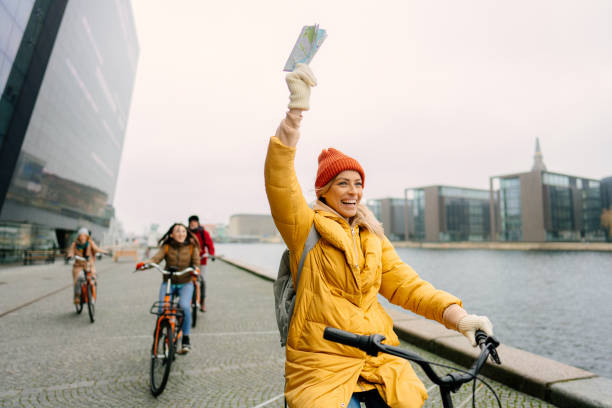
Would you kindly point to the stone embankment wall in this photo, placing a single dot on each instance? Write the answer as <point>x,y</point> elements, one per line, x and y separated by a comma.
<point>511,246</point>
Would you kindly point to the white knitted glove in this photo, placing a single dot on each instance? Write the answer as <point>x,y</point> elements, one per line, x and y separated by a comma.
<point>299,82</point>
<point>470,323</point>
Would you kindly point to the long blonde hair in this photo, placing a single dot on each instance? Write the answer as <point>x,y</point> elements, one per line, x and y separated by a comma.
<point>364,216</point>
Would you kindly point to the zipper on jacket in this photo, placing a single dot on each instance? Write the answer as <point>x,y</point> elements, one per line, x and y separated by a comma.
<point>356,251</point>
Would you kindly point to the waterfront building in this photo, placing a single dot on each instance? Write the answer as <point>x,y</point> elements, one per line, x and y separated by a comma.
<point>606,205</point>
<point>251,227</point>
<point>606,193</point>
<point>541,205</point>
<point>67,72</point>
<point>391,213</point>
<point>445,213</point>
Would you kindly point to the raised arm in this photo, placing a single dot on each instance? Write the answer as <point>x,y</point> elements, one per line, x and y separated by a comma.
<point>289,208</point>
<point>299,83</point>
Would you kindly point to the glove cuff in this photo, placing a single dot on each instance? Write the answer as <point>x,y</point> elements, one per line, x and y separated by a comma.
<point>452,315</point>
<point>299,98</point>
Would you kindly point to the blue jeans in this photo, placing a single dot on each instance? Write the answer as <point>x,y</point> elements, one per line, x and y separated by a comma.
<point>184,292</point>
<point>371,398</point>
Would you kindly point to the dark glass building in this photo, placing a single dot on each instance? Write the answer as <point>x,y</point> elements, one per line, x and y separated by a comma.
<point>540,206</point>
<point>445,213</point>
<point>67,72</point>
<point>391,213</point>
<point>606,193</point>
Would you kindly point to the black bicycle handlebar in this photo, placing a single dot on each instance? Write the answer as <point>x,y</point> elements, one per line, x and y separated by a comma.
<point>372,344</point>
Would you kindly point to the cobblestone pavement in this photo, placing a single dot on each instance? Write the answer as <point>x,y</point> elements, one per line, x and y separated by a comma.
<point>52,357</point>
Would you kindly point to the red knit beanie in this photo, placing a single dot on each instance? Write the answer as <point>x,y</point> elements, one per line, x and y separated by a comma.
<point>333,162</point>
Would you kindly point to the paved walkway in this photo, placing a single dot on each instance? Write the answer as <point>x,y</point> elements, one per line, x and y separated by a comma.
<point>51,357</point>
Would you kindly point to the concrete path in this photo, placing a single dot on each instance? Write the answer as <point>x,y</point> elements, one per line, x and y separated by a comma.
<point>52,357</point>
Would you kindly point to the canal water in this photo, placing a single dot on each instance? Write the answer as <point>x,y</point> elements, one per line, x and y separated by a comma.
<point>555,304</point>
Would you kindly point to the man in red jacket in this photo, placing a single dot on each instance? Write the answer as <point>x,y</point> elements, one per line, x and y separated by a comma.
<point>206,247</point>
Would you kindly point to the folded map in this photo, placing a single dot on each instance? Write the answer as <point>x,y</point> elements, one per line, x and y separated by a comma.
<point>306,46</point>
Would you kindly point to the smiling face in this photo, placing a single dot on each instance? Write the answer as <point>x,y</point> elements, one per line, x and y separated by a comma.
<point>179,234</point>
<point>345,193</point>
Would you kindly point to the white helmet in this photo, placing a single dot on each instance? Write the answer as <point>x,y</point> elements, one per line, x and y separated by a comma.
<point>82,231</point>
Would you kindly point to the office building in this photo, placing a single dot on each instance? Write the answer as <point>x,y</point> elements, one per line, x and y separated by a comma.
<point>67,72</point>
<point>251,226</point>
<point>541,205</point>
<point>391,213</point>
<point>445,213</point>
<point>606,193</point>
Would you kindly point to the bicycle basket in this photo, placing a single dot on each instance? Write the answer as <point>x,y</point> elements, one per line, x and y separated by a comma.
<point>171,309</point>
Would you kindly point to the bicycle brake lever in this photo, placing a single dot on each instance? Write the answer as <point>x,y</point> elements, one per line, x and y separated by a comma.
<point>492,344</point>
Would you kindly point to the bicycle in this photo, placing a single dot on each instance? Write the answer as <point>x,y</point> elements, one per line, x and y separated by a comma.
<point>195,299</point>
<point>451,382</point>
<point>87,285</point>
<point>167,331</point>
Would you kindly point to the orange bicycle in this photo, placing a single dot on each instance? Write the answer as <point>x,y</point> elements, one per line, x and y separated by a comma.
<point>195,300</point>
<point>87,287</point>
<point>167,331</point>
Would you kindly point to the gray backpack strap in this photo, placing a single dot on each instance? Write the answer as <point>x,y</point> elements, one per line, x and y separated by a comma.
<point>311,241</point>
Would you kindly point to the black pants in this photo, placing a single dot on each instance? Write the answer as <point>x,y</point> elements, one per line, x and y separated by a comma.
<point>371,398</point>
<point>202,288</point>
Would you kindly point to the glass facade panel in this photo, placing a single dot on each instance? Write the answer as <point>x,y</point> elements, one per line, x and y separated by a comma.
<point>561,213</point>
<point>390,211</point>
<point>398,229</point>
<point>559,180</point>
<point>14,16</point>
<point>591,212</point>
<point>418,214</point>
<point>510,209</point>
<point>67,169</point>
<point>374,206</point>
<point>466,214</point>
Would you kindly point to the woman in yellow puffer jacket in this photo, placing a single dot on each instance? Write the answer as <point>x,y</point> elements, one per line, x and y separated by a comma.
<point>342,275</point>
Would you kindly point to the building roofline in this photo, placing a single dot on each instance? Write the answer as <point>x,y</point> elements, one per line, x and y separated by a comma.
<point>543,171</point>
<point>448,186</point>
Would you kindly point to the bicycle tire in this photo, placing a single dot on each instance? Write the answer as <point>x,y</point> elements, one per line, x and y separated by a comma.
<point>91,304</point>
<point>161,362</point>
<point>79,306</point>
<point>194,308</point>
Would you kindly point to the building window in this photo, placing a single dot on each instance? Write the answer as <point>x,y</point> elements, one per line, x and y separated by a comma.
<point>510,209</point>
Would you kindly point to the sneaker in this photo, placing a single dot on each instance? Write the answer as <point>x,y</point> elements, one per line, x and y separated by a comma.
<point>185,347</point>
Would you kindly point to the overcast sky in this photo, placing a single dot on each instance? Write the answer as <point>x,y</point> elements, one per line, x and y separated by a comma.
<point>420,92</point>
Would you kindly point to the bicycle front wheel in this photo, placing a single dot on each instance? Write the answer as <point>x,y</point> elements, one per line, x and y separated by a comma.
<point>79,305</point>
<point>161,356</point>
<point>194,307</point>
<point>91,303</point>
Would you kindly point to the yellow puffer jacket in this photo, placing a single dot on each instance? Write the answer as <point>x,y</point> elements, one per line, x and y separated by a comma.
<point>341,278</point>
